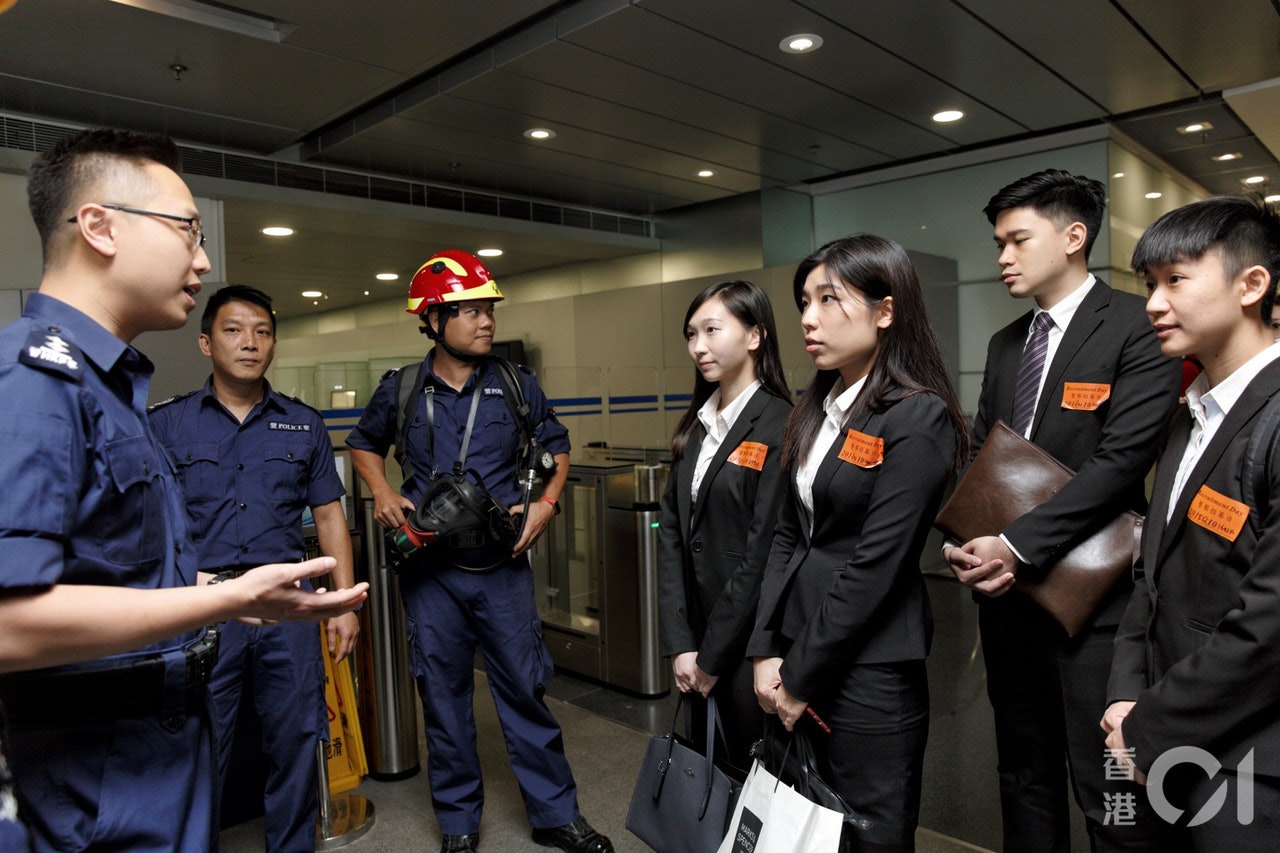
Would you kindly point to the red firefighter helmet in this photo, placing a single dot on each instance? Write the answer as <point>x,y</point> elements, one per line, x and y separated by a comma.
<point>450,276</point>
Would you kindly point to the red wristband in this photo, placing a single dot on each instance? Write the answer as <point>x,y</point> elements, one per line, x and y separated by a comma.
<point>554,503</point>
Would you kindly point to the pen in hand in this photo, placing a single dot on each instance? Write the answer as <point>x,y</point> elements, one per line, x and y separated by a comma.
<point>808,709</point>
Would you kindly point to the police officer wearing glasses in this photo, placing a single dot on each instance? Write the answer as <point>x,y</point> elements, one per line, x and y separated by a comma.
<point>103,653</point>
<point>458,412</point>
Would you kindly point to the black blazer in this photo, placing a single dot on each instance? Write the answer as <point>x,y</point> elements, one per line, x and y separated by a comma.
<point>1109,341</point>
<point>852,592</point>
<point>1199,647</point>
<point>711,554</point>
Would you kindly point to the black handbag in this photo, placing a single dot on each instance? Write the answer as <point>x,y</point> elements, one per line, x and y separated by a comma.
<point>790,757</point>
<point>682,801</point>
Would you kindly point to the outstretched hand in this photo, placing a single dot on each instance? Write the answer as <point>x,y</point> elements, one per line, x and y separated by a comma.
<point>272,593</point>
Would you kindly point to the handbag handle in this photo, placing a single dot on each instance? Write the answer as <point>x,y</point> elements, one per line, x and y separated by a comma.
<point>807,759</point>
<point>713,723</point>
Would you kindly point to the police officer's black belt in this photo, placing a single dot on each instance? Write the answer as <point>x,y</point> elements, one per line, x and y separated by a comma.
<point>69,696</point>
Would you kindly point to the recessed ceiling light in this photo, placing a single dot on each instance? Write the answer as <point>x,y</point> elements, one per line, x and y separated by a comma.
<point>1254,179</point>
<point>948,115</point>
<point>706,173</point>
<point>489,253</point>
<point>277,231</point>
<point>539,133</point>
<point>386,276</point>
<point>800,43</point>
<point>1272,199</point>
<point>312,294</point>
<point>1222,158</point>
<point>1154,195</point>
<point>366,293</point>
<point>1195,127</point>
<point>1118,175</point>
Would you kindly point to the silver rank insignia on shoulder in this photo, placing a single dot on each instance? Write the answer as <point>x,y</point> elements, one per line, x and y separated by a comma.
<point>45,349</point>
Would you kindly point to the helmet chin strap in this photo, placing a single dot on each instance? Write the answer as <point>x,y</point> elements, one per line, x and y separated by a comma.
<point>437,335</point>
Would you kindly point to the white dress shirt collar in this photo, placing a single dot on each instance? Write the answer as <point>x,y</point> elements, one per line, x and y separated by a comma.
<point>1065,310</point>
<point>1209,407</point>
<point>837,405</point>
<point>717,425</point>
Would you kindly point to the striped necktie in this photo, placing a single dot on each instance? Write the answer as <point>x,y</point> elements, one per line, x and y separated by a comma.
<point>1030,370</point>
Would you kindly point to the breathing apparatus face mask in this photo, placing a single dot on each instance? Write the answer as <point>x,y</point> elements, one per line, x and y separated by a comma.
<point>455,521</point>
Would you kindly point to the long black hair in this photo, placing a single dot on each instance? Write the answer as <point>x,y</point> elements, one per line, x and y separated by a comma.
<point>750,306</point>
<point>908,360</point>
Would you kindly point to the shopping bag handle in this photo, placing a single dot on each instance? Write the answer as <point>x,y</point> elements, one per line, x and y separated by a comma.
<point>805,756</point>
<point>807,765</point>
<point>713,723</point>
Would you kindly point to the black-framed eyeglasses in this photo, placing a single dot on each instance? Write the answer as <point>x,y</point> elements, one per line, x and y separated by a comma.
<point>194,231</point>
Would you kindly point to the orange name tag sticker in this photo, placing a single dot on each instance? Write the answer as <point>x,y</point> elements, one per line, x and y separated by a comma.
<point>750,454</point>
<point>1085,396</point>
<point>1218,513</point>
<point>865,451</point>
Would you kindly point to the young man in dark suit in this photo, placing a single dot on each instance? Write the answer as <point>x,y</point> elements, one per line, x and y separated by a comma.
<point>1193,685</point>
<point>1082,376</point>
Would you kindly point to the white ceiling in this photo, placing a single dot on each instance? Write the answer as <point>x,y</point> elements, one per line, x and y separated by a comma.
<point>641,95</point>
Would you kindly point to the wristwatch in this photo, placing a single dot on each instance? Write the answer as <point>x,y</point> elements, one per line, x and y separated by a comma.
<point>555,504</point>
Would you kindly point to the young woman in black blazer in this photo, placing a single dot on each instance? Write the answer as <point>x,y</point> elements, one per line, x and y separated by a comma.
<point>844,625</point>
<point>720,505</point>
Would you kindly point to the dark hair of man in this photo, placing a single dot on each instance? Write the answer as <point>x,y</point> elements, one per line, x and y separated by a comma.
<point>56,177</point>
<point>751,307</point>
<point>235,293</point>
<point>909,360</point>
<point>1058,196</point>
<point>1244,229</point>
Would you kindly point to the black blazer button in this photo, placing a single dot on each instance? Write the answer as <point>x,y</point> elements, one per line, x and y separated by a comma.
<point>697,546</point>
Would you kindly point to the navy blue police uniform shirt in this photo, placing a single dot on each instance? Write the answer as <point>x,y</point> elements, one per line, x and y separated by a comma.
<point>247,484</point>
<point>91,496</point>
<point>492,452</point>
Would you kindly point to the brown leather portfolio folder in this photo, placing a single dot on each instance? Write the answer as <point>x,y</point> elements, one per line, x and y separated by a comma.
<point>1011,476</point>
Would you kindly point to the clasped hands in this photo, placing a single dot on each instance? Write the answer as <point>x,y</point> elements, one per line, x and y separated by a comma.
<point>691,678</point>
<point>985,564</point>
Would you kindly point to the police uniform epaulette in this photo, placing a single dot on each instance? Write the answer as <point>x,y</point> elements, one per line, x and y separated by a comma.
<point>46,349</point>
<point>392,372</point>
<point>175,398</point>
<point>301,402</point>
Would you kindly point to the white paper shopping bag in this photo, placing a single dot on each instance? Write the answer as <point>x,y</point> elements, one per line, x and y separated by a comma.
<point>772,817</point>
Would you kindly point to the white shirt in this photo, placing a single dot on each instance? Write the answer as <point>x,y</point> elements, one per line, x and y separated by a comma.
<point>1061,315</point>
<point>1209,408</point>
<point>837,405</point>
<point>717,424</point>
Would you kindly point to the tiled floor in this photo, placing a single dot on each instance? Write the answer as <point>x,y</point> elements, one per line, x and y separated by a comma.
<point>606,731</point>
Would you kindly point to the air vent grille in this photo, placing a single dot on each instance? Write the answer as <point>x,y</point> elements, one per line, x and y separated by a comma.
<point>26,135</point>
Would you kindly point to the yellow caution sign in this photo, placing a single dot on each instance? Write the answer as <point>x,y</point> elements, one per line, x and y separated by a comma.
<point>344,753</point>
